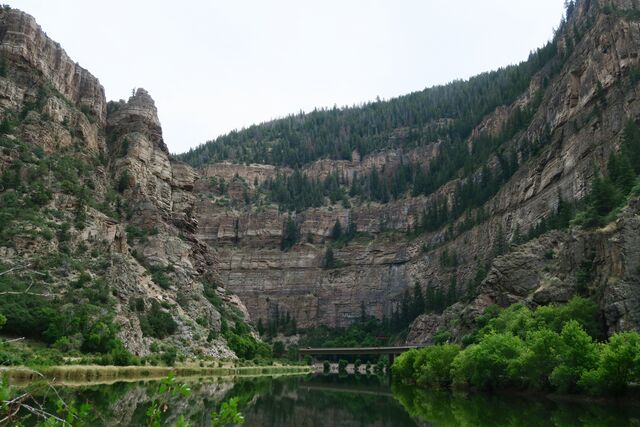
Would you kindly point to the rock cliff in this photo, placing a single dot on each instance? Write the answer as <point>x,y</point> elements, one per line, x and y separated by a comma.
<point>112,224</point>
<point>579,112</point>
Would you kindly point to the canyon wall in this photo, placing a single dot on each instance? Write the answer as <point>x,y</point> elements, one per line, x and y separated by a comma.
<point>582,113</point>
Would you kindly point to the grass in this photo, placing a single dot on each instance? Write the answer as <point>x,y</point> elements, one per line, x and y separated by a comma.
<point>97,373</point>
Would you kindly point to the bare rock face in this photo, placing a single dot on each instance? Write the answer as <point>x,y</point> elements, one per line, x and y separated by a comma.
<point>424,328</point>
<point>25,44</point>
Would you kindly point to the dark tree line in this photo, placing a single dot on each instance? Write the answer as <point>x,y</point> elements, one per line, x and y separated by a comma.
<point>433,299</point>
<point>280,322</point>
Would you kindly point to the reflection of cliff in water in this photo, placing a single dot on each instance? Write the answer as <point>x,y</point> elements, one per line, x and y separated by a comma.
<point>362,401</point>
<point>326,401</point>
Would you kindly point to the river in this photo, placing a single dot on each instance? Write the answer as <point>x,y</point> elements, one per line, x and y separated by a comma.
<point>319,400</point>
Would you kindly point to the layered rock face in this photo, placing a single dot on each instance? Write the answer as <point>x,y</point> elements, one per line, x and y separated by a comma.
<point>120,218</point>
<point>42,59</point>
<point>580,116</point>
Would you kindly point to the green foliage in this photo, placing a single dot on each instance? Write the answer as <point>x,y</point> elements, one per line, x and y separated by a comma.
<point>578,354</point>
<point>291,234</point>
<point>245,346</point>
<point>135,233</point>
<point>157,323</point>
<point>159,277</point>
<point>169,356</point>
<point>278,349</point>
<point>404,366</point>
<point>330,261</point>
<point>168,388</point>
<point>432,365</point>
<point>228,414</point>
<point>123,182</point>
<point>342,366</point>
<point>441,337</point>
<point>486,365</point>
<point>281,322</point>
<point>545,349</point>
<point>365,334</point>
<point>326,366</point>
<point>535,364</point>
<point>618,365</point>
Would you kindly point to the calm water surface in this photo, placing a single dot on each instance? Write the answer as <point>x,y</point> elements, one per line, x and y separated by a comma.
<point>361,401</point>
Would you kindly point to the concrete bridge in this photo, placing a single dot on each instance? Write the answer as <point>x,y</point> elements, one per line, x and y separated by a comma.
<point>392,352</point>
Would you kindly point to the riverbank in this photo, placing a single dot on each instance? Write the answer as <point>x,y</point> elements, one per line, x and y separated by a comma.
<point>69,374</point>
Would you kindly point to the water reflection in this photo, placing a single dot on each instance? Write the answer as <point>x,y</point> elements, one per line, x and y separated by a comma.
<point>344,401</point>
<point>444,409</point>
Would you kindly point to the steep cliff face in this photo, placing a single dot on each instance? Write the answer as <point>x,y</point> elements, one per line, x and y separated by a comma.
<point>95,213</point>
<point>579,107</point>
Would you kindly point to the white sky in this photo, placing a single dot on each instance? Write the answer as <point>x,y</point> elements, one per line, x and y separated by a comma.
<point>213,66</point>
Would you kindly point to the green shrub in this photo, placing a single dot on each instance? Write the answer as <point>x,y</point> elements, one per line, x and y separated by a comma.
<point>157,323</point>
<point>403,365</point>
<point>169,356</point>
<point>433,364</point>
<point>442,337</point>
<point>246,347</point>
<point>342,365</point>
<point>618,365</point>
<point>578,354</point>
<point>486,365</point>
<point>326,366</point>
<point>538,360</point>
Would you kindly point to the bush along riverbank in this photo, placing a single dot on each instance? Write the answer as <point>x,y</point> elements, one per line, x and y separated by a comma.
<point>555,349</point>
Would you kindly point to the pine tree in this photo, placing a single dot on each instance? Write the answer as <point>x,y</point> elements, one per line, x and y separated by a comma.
<point>291,234</point>
<point>621,172</point>
<point>336,232</point>
<point>260,327</point>
<point>405,308</point>
<point>452,293</point>
<point>631,144</point>
<point>418,301</point>
<point>329,259</point>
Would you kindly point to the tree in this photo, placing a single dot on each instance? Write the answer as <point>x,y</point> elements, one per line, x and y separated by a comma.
<point>278,348</point>
<point>618,366</point>
<point>486,365</point>
<point>418,301</point>
<point>621,172</point>
<point>631,144</point>
<point>603,198</point>
<point>260,327</point>
<point>577,355</point>
<point>329,260</point>
<point>336,232</point>
<point>291,234</point>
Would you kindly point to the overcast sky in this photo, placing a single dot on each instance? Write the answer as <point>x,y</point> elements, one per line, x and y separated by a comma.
<point>213,66</point>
